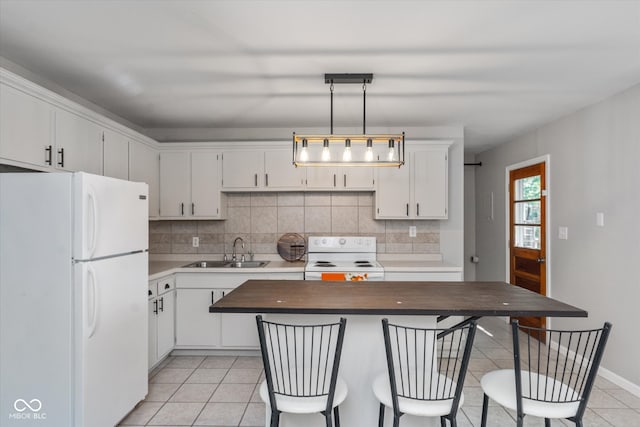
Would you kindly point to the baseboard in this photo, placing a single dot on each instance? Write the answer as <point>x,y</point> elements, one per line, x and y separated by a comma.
<point>605,373</point>
<point>619,381</point>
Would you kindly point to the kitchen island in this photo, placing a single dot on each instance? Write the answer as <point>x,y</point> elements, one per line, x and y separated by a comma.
<point>364,304</point>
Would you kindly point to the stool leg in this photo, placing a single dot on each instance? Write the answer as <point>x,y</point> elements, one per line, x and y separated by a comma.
<point>485,408</point>
<point>443,423</point>
<point>381,416</point>
<point>275,419</point>
<point>547,422</point>
<point>327,417</point>
<point>336,416</point>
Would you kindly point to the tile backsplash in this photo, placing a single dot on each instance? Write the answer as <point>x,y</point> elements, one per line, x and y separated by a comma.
<point>261,218</point>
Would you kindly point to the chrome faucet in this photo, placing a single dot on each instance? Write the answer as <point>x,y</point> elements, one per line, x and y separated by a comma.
<point>233,255</point>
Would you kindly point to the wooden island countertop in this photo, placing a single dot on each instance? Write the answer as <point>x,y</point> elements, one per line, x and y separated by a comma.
<point>391,298</point>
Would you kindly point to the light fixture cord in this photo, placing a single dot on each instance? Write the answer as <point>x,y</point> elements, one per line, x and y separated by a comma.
<point>331,89</point>
<point>364,107</point>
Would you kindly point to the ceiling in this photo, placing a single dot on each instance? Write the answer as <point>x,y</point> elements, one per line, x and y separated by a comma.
<point>498,68</point>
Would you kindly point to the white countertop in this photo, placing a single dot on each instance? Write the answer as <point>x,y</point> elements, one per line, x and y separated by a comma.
<point>419,266</point>
<point>162,267</point>
<point>158,269</point>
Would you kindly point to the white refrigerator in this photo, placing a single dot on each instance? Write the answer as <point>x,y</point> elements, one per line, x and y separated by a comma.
<point>73,299</point>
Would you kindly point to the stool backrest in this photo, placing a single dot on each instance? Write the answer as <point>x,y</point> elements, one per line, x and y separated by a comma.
<point>562,371</point>
<point>427,364</point>
<point>301,360</point>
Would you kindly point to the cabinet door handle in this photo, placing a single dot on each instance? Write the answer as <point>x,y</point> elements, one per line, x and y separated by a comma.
<point>266,179</point>
<point>155,303</point>
<point>255,178</point>
<point>61,161</point>
<point>150,293</point>
<point>162,304</point>
<point>407,209</point>
<point>345,180</point>
<point>193,208</point>
<point>212,301</point>
<point>182,209</point>
<point>417,209</point>
<point>224,293</point>
<point>47,152</point>
<point>334,179</point>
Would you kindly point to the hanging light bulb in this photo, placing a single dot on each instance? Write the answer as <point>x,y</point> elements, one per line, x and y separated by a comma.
<point>392,151</point>
<point>304,153</point>
<point>346,154</point>
<point>326,154</point>
<point>368,155</point>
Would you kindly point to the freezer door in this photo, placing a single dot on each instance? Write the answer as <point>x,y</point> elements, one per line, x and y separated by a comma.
<point>111,216</point>
<point>112,373</point>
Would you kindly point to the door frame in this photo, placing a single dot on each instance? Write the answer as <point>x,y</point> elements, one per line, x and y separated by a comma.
<point>546,159</point>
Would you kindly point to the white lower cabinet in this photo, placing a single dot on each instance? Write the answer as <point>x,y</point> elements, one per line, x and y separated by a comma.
<point>162,309</point>
<point>196,328</point>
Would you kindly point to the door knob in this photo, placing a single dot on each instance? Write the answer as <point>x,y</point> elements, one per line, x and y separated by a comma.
<point>540,260</point>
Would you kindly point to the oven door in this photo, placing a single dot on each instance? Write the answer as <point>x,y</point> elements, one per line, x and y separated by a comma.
<point>344,275</point>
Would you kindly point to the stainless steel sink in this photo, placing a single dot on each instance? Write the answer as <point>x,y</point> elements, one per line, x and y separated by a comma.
<point>246,264</point>
<point>207,264</point>
<point>227,264</point>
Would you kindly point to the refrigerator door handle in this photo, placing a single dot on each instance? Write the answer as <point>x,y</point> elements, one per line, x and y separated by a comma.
<point>94,216</point>
<point>93,319</point>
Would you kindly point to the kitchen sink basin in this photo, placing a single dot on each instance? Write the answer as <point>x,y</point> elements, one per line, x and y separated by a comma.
<point>246,264</point>
<point>207,264</point>
<point>227,264</point>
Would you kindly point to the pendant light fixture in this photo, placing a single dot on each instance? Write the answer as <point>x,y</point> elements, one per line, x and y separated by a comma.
<point>357,150</point>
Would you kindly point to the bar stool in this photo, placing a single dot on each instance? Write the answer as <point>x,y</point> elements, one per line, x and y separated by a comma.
<point>301,368</point>
<point>426,371</point>
<point>547,382</point>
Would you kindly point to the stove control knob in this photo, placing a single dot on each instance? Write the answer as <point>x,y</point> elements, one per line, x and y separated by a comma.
<point>342,241</point>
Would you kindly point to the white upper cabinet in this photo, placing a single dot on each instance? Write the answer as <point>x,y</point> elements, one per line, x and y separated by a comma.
<point>280,173</point>
<point>78,143</point>
<point>116,155</point>
<point>393,192</point>
<point>25,128</point>
<point>242,170</point>
<point>261,170</point>
<point>430,183</point>
<point>190,184</point>
<point>175,181</point>
<point>417,190</point>
<point>206,200</point>
<point>144,166</point>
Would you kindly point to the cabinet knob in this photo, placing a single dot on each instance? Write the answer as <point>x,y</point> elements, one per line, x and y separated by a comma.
<point>167,286</point>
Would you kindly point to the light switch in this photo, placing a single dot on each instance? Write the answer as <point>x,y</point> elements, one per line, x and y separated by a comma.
<point>196,242</point>
<point>563,233</point>
<point>412,231</point>
<point>600,219</point>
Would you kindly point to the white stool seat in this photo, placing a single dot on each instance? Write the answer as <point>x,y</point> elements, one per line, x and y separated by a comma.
<point>305,405</point>
<point>500,386</point>
<point>422,408</point>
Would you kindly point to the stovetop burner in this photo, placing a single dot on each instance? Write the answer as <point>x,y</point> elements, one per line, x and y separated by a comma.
<point>324,264</point>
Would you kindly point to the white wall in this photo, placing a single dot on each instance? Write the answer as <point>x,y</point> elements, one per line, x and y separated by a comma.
<point>594,156</point>
<point>469,217</point>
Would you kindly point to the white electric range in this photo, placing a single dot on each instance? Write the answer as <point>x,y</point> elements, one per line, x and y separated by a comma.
<point>342,258</point>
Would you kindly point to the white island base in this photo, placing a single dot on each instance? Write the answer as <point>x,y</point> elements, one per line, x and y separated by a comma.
<point>363,358</point>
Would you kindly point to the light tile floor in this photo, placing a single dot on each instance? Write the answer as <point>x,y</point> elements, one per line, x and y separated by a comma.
<point>222,391</point>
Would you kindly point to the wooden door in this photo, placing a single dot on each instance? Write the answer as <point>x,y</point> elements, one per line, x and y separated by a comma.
<point>527,192</point>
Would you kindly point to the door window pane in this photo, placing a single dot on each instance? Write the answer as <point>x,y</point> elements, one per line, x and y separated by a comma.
<point>527,236</point>
<point>527,212</point>
<point>527,188</point>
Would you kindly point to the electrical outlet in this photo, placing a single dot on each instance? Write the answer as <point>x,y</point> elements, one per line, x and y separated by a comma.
<point>412,231</point>
<point>196,242</point>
